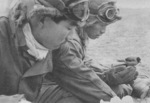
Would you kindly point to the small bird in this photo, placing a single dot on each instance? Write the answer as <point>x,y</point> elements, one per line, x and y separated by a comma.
<point>131,61</point>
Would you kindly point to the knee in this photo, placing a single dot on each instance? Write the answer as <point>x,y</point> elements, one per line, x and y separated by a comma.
<point>122,90</point>
<point>69,100</point>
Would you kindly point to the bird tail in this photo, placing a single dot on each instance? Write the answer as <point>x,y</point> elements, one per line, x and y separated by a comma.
<point>121,60</point>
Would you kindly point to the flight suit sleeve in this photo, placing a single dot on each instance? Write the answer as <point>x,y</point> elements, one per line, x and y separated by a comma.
<point>9,69</point>
<point>96,66</point>
<point>79,79</point>
<point>99,68</point>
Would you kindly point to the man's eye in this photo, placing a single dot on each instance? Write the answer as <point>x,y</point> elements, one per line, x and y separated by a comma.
<point>42,19</point>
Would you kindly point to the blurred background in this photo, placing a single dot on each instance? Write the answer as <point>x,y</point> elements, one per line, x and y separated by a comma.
<point>133,3</point>
<point>127,37</point>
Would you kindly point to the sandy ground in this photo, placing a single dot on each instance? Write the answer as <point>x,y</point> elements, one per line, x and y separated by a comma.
<point>128,37</point>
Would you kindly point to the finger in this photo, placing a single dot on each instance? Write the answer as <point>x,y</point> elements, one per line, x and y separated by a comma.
<point>119,68</point>
<point>128,71</point>
<point>131,67</point>
<point>123,73</point>
<point>136,75</point>
<point>144,94</point>
<point>130,77</point>
<point>148,93</point>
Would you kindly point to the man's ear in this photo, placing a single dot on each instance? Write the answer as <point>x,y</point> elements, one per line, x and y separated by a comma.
<point>37,21</point>
<point>41,19</point>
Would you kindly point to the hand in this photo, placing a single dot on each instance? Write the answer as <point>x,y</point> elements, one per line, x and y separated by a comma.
<point>141,88</point>
<point>120,75</point>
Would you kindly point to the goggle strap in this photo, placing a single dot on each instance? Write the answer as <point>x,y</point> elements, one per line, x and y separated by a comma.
<point>62,3</point>
<point>101,20</point>
<point>86,17</point>
<point>78,2</point>
<point>106,23</point>
<point>106,3</point>
<point>93,21</point>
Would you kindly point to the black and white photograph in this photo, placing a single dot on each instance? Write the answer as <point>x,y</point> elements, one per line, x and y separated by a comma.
<point>74,51</point>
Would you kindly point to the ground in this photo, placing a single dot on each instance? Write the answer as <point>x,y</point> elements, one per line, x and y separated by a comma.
<point>128,37</point>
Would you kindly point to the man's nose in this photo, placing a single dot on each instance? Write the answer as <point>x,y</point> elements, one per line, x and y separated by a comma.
<point>102,30</point>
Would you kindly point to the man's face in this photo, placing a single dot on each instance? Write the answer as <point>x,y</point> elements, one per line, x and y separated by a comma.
<point>48,33</point>
<point>95,30</point>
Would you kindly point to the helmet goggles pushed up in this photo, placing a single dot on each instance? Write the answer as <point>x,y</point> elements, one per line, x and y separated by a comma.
<point>78,11</point>
<point>108,13</point>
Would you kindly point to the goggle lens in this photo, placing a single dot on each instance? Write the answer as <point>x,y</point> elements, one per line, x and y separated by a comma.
<point>108,14</point>
<point>81,11</point>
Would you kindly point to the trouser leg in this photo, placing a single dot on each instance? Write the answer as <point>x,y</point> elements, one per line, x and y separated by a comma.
<point>122,90</point>
<point>53,93</point>
<point>71,99</point>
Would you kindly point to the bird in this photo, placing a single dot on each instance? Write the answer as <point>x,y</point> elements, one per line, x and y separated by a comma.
<point>131,61</point>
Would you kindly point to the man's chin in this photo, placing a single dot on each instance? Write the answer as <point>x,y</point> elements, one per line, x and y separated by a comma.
<point>94,37</point>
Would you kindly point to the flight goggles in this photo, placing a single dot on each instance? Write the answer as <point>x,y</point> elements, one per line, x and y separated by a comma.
<point>108,13</point>
<point>72,9</point>
<point>78,11</point>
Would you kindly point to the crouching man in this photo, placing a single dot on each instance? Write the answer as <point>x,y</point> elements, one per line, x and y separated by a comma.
<point>119,77</point>
<point>75,75</point>
<point>29,31</point>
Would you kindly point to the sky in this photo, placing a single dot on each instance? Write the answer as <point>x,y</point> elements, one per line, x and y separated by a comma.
<point>133,3</point>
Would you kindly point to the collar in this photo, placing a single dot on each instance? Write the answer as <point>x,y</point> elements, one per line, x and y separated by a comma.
<point>35,49</point>
<point>78,35</point>
<point>73,35</point>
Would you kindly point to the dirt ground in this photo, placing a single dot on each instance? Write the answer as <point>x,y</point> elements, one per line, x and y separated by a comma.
<point>128,37</point>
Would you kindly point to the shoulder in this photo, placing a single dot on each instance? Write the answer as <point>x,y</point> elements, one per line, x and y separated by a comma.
<point>68,47</point>
<point>3,21</point>
<point>4,26</point>
<point>71,45</point>
<point>74,39</point>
